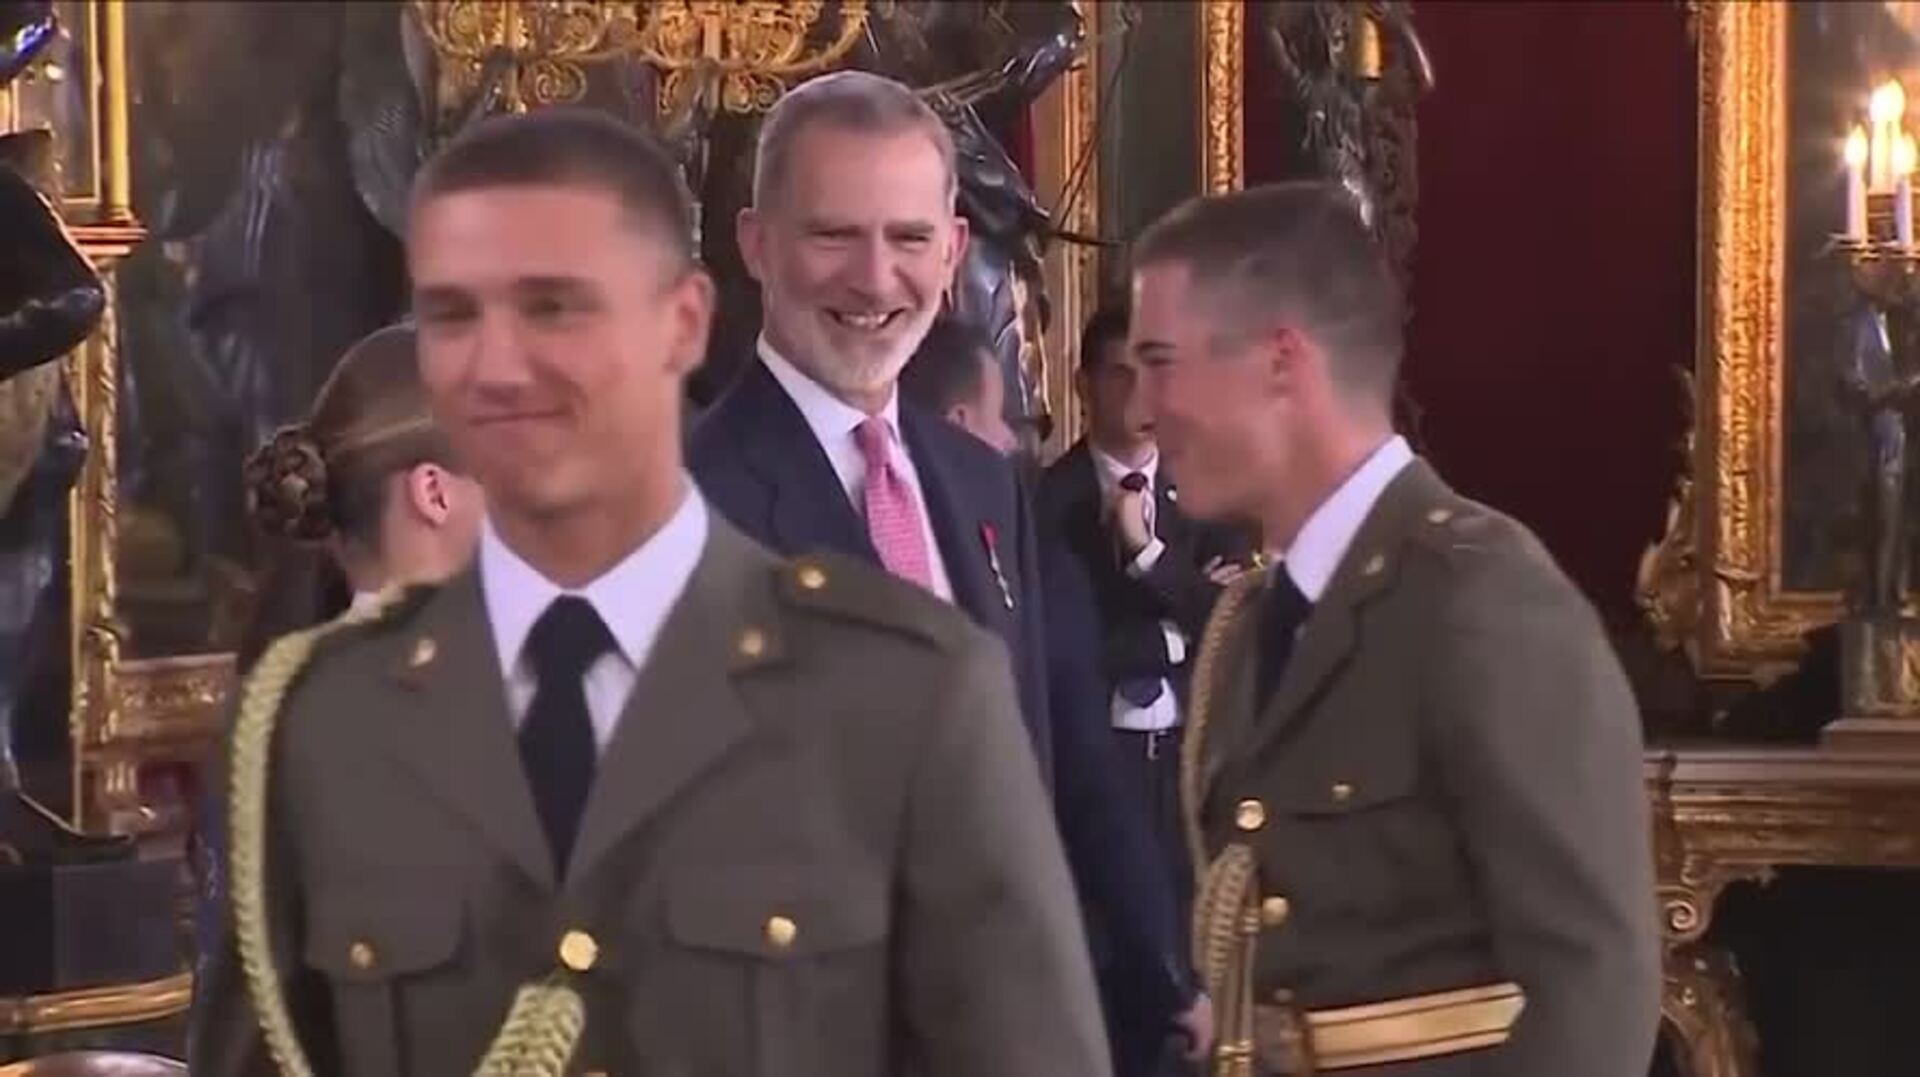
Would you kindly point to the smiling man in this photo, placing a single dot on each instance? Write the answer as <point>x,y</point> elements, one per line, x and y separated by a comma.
<point>855,238</point>
<point>1414,761</point>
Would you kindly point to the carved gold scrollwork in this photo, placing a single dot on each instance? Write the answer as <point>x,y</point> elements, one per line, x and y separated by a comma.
<point>549,42</point>
<point>1701,1006</point>
<point>758,48</point>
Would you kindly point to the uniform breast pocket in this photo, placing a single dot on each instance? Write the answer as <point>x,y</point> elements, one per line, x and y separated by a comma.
<point>1375,836</point>
<point>770,971</point>
<point>388,952</point>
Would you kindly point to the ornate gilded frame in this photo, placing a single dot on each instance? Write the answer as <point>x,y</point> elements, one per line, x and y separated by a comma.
<point>1223,29</point>
<point>1065,118</point>
<point>122,714</point>
<point>1714,582</point>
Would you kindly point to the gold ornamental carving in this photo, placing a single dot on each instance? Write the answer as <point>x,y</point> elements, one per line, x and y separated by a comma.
<point>1223,35</point>
<point>1727,815</point>
<point>1734,616</point>
<point>547,43</point>
<point>755,48</point>
<point>750,50</point>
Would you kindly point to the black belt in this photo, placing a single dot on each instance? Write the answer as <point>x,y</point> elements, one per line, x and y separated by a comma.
<point>1155,739</point>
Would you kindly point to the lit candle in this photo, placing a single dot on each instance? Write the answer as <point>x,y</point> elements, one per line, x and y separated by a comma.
<point>1884,108</point>
<point>1903,162</point>
<point>1856,157</point>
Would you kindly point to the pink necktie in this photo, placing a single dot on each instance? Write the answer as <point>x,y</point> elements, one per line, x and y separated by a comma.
<point>893,516</point>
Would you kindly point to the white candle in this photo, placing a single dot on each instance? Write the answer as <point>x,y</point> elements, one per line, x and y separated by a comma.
<point>1885,108</point>
<point>1856,158</point>
<point>1903,162</point>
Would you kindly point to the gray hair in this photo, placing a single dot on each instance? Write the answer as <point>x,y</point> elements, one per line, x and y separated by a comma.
<point>856,101</point>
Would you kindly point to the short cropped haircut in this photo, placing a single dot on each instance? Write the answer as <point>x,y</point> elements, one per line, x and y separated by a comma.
<point>950,366</point>
<point>1107,326</point>
<point>855,101</point>
<point>1291,251</point>
<point>568,147</point>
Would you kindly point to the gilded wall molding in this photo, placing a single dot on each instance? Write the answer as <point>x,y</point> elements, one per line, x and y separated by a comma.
<point>1714,581</point>
<point>1065,123</point>
<point>1223,62</point>
<point>1727,815</point>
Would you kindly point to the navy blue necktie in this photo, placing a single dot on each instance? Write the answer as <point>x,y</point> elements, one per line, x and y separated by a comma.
<point>556,739</point>
<point>1138,691</point>
<point>1282,611</point>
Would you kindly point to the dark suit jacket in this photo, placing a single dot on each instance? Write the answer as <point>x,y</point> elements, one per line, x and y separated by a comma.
<point>1131,609</point>
<point>757,462</point>
<point>1446,786</point>
<point>1106,830</point>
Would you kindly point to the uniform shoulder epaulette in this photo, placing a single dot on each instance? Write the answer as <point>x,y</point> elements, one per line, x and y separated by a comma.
<point>1470,537</point>
<point>847,589</point>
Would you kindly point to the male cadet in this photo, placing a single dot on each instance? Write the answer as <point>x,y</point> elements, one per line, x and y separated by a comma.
<point>854,238</point>
<point>1414,766</point>
<point>631,770</point>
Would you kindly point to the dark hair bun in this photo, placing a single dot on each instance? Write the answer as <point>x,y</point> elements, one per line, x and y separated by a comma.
<point>286,484</point>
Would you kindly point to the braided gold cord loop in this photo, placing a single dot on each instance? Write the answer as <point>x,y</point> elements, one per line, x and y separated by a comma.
<point>1227,611</point>
<point>544,1025</point>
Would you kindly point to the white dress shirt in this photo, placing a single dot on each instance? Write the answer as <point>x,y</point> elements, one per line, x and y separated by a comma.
<point>833,422</point>
<point>633,598</point>
<point>363,600</point>
<point>1316,552</point>
<point>1164,712</point>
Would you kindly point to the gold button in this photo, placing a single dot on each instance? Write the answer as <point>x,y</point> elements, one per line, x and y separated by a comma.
<point>781,932</point>
<point>360,955</point>
<point>1274,911</point>
<point>753,643</point>
<point>812,577</point>
<point>578,951</point>
<point>423,651</point>
<point>1342,792</point>
<point>1439,516</point>
<point>1374,565</point>
<point>1250,815</point>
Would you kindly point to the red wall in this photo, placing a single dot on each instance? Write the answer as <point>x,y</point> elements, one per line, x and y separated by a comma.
<point>1554,277</point>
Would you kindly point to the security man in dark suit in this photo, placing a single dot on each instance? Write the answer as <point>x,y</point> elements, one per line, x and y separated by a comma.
<point>1119,864</point>
<point>1412,766</point>
<point>854,238</point>
<point>1155,574</point>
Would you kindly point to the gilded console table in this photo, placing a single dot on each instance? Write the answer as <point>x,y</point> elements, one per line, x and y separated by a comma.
<point>1724,814</point>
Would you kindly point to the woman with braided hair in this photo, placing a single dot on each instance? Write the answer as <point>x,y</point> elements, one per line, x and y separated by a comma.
<point>366,494</point>
<point>365,490</point>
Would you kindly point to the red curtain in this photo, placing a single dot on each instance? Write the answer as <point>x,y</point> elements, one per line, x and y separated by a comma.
<point>1554,275</point>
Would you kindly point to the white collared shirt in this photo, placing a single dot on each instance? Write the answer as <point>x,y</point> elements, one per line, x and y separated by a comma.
<point>1164,712</point>
<point>833,422</point>
<point>364,600</point>
<point>1323,540</point>
<point>633,598</point>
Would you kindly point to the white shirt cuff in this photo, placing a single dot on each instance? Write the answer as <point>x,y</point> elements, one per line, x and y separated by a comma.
<point>1144,561</point>
<point>1176,642</point>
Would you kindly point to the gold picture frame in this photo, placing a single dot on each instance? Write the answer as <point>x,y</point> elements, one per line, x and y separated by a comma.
<point>1065,119</point>
<point>1714,583</point>
<point>123,715</point>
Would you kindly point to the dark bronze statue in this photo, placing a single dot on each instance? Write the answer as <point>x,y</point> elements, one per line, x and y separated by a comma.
<point>1885,390</point>
<point>1353,73</point>
<point>50,300</point>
